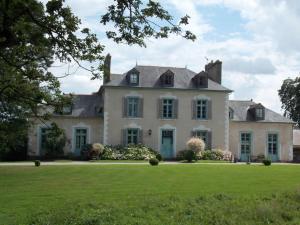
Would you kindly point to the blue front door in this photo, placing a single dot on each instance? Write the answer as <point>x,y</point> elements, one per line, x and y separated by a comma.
<point>166,148</point>
<point>80,140</point>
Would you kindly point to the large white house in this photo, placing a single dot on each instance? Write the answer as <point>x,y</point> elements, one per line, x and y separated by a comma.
<point>162,107</point>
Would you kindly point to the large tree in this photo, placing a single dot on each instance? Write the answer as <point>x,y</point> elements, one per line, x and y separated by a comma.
<point>33,36</point>
<point>289,94</point>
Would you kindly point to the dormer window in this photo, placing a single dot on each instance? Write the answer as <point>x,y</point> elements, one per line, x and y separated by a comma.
<point>259,113</point>
<point>67,110</point>
<point>200,80</point>
<point>167,79</point>
<point>134,79</point>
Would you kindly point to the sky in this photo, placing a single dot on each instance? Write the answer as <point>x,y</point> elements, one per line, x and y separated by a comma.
<point>257,41</point>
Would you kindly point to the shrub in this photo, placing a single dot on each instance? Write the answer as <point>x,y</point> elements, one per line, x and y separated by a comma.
<point>227,155</point>
<point>132,152</point>
<point>85,151</point>
<point>267,162</point>
<point>213,155</point>
<point>96,150</point>
<point>195,144</point>
<point>37,163</point>
<point>189,155</point>
<point>153,161</point>
<point>159,157</point>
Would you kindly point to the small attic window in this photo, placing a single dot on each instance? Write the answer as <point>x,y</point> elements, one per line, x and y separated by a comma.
<point>259,113</point>
<point>200,80</point>
<point>67,110</point>
<point>134,78</point>
<point>167,79</point>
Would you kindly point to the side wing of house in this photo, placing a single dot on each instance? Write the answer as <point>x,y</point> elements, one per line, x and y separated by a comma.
<point>82,124</point>
<point>255,130</point>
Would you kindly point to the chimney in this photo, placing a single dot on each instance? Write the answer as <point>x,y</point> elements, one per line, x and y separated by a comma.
<point>106,68</point>
<point>214,70</point>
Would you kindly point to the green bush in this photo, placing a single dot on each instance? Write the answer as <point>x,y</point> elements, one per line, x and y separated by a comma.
<point>153,161</point>
<point>189,155</point>
<point>55,142</point>
<point>159,157</point>
<point>267,162</point>
<point>260,158</point>
<point>37,163</point>
<point>85,151</point>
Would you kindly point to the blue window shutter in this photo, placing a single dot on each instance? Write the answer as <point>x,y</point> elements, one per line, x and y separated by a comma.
<point>124,137</point>
<point>175,108</point>
<point>160,108</point>
<point>194,109</point>
<point>125,106</point>
<point>209,110</point>
<point>209,140</point>
<point>140,107</point>
<point>140,136</point>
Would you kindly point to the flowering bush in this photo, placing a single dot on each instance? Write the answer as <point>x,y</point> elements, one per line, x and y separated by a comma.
<point>132,152</point>
<point>227,155</point>
<point>195,144</point>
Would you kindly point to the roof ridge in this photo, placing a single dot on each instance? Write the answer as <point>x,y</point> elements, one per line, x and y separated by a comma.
<point>162,66</point>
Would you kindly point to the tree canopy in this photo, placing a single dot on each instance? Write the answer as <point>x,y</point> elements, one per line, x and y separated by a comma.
<point>289,94</point>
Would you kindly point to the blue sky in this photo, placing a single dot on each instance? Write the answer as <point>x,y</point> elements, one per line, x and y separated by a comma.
<point>257,41</point>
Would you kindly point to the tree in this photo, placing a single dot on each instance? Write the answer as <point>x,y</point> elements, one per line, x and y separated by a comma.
<point>34,36</point>
<point>289,94</point>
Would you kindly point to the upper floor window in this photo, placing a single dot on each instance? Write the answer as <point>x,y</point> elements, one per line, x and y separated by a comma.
<point>132,107</point>
<point>134,79</point>
<point>201,109</point>
<point>168,79</point>
<point>168,108</point>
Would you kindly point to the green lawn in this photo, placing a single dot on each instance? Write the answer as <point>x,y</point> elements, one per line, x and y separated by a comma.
<point>141,194</point>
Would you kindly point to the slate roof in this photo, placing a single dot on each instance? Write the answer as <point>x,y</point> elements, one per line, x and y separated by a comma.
<point>241,113</point>
<point>149,78</point>
<point>86,105</point>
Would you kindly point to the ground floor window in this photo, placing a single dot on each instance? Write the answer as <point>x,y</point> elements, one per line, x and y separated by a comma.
<point>80,137</point>
<point>203,134</point>
<point>44,132</point>
<point>132,136</point>
<point>273,144</point>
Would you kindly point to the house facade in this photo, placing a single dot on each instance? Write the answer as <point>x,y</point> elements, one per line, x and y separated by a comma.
<point>162,107</point>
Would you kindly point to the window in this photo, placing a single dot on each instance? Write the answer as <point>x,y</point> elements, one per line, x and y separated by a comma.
<point>80,137</point>
<point>168,108</point>
<point>201,107</point>
<point>134,78</point>
<point>259,113</point>
<point>132,136</point>
<point>67,110</point>
<point>44,132</point>
<point>132,107</point>
<point>168,80</point>
<point>202,134</point>
<point>246,143</point>
<point>231,113</point>
<point>272,144</point>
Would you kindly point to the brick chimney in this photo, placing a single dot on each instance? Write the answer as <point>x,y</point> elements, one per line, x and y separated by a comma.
<point>106,68</point>
<point>214,70</point>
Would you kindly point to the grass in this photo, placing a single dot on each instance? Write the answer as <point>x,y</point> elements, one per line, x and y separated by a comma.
<point>141,194</point>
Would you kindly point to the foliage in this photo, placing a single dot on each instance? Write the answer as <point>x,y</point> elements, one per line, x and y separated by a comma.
<point>289,94</point>
<point>97,149</point>
<point>159,157</point>
<point>55,142</point>
<point>260,158</point>
<point>267,162</point>
<point>136,22</point>
<point>213,155</point>
<point>195,144</point>
<point>13,139</point>
<point>85,151</point>
<point>131,152</point>
<point>37,163</point>
<point>91,151</point>
<point>189,155</point>
<point>153,161</point>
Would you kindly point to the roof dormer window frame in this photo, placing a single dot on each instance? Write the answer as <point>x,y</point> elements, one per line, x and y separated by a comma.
<point>259,113</point>
<point>134,78</point>
<point>167,79</point>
